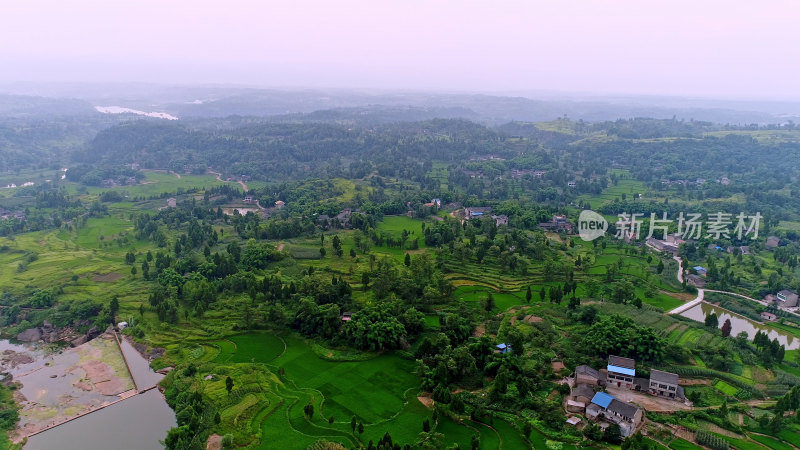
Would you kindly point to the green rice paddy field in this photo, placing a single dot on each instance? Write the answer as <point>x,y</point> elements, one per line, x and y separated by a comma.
<point>380,392</point>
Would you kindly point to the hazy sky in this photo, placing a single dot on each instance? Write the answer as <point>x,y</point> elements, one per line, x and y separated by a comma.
<point>708,48</point>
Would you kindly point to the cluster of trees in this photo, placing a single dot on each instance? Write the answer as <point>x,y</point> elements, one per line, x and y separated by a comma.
<point>296,150</point>
<point>612,434</point>
<point>479,240</point>
<point>386,325</point>
<point>771,350</point>
<point>98,175</point>
<point>420,283</point>
<point>618,335</point>
<point>194,413</point>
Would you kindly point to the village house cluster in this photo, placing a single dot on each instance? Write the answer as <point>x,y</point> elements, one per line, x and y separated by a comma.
<point>559,223</point>
<point>477,212</point>
<point>591,393</point>
<point>6,214</point>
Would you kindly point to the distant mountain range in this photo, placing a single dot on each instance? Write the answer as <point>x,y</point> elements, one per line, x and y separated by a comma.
<point>188,102</point>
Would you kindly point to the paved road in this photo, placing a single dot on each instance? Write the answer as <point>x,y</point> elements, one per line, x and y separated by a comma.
<point>701,293</point>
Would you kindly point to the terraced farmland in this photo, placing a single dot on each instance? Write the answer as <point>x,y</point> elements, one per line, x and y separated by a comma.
<point>276,376</point>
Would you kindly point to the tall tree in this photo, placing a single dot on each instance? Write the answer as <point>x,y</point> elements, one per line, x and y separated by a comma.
<point>712,321</point>
<point>726,328</point>
<point>113,306</point>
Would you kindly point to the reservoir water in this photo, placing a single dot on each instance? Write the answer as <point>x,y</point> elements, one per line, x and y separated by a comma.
<point>740,323</point>
<point>141,372</point>
<point>137,422</point>
<point>123,110</point>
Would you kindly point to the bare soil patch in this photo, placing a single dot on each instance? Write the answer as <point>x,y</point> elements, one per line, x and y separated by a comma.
<point>647,401</point>
<point>109,277</point>
<point>528,318</point>
<point>426,400</point>
<point>719,430</point>
<point>102,377</point>
<point>214,442</point>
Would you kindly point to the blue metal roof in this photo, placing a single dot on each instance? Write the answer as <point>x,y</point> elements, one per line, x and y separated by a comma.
<point>602,399</point>
<point>501,345</point>
<point>699,268</point>
<point>477,214</point>
<point>622,370</point>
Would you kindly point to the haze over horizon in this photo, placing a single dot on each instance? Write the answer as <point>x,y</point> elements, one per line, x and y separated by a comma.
<point>715,49</point>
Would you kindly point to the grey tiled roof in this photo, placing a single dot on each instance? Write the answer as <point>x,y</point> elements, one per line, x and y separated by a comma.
<point>586,370</point>
<point>664,377</point>
<point>622,408</point>
<point>583,390</point>
<point>620,361</point>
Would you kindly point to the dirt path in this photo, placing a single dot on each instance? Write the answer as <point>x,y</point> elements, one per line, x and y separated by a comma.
<point>240,182</point>
<point>680,268</point>
<point>679,274</point>
<point>219,175</point>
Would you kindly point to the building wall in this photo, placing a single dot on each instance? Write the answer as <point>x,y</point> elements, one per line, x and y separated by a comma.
<point>586,379</point>
<point>619,380</point>
<point>663,389</point>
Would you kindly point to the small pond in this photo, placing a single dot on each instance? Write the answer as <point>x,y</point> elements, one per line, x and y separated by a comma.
<point>740,323</point>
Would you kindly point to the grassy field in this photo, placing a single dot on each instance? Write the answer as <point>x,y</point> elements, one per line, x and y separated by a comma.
<point>625,185</point>
<point>156,183</point>
<point>90,254</point>
<point>726,388</point>
<point>741,444</point>
<point>770,442</point>
<point>682,444</point>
